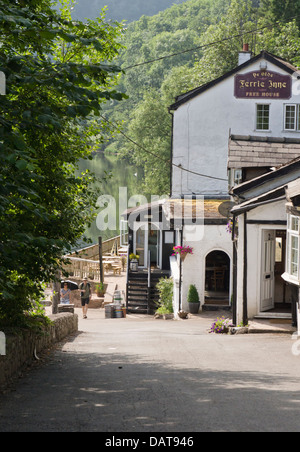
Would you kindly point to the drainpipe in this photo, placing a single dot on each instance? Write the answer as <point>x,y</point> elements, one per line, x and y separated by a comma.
<point>245,276</point>
<point>234,274</point>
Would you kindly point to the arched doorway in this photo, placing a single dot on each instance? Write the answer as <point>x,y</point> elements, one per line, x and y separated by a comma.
<point>217,278</point>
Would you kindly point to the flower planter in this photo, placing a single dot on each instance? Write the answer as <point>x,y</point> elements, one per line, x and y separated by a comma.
<point>182,251</point>
<point>194,308</point>
<point>101,293</point>
<point>134,265</point>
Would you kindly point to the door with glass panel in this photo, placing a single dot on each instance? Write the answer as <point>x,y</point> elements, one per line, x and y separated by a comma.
<point>141,245</point>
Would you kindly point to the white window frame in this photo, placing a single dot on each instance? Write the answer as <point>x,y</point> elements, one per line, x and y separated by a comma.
<point>123,233</point>
<point>235,177</point>
<point>256,117</point>
<point>297,118</point>
<point>293,233</point>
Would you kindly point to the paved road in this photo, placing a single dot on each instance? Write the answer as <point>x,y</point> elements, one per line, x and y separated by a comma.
<point>145,375</point>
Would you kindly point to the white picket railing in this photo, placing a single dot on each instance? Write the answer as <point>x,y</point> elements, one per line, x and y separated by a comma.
<point>83,268</point>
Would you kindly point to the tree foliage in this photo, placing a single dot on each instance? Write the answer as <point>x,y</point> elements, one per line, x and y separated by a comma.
<point>58,75</point>
<point>286,10</point>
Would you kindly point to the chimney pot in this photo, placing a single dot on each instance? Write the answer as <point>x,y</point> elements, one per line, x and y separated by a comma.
<point>245,54</point>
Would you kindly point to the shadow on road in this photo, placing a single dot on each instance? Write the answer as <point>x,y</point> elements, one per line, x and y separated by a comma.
<point>117,393</point>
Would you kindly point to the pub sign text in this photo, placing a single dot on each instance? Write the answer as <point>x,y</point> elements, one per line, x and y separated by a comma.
<point>263,85</point>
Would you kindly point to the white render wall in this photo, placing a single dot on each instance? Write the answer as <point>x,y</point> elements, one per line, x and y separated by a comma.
<point>193,268</point>
<point>202,127</point>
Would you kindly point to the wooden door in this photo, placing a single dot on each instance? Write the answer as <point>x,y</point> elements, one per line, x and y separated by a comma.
<point>268,270</point>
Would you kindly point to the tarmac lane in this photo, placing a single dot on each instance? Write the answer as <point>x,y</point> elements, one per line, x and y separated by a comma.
<point>144,375</point>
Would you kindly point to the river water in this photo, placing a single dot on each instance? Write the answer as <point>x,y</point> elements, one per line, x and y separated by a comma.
<point>123,177</point>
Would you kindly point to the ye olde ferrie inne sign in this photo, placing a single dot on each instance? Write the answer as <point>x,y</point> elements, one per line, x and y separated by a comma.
<point>263,85</point>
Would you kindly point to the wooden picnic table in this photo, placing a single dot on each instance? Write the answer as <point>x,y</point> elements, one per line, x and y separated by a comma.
<point>110,265</point>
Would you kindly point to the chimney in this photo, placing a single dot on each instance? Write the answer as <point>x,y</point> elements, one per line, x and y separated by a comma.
<point>245,55</point>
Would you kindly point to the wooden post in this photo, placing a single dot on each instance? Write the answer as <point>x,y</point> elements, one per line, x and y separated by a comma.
<point>149,281</point>
<point>100,260</point>
<point>245,282</point>
<point>56,293</point>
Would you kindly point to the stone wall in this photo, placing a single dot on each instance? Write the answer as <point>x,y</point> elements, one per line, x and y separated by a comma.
<point>20,348</point>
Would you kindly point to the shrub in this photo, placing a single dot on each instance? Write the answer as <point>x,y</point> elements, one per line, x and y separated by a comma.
<point>165,288</point>
<point>193,296</point>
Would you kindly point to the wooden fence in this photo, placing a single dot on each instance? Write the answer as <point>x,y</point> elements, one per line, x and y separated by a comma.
<point>85,263</point>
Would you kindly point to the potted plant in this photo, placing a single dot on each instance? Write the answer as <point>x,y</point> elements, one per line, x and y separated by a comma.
<point>100,290</point>
<point>193,300</point>
<point>134,262</point>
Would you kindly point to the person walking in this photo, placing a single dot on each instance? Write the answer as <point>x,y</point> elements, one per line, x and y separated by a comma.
<point>86,294</point>
<point>65,294</point>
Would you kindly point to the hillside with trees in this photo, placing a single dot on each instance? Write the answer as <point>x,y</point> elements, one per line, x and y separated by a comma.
<point>119,10</point>
<point>177,50</point>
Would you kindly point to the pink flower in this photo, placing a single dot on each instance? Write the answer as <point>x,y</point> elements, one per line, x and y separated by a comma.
<point>182,250</point>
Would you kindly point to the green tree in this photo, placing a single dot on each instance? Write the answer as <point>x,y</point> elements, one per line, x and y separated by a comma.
<point>150,127</point>
<point>45,128</point>
<point>281,40</point>
<point>279,10</point>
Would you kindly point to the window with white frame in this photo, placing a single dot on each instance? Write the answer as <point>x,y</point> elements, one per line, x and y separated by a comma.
<point>123,233</point>
<point>235,177</point>
<point>292,117</point>
<point>293,243</point>
<point>262,117</point>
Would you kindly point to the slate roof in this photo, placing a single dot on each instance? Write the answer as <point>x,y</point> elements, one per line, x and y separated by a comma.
<point>289,191</point>
<point>278,194</point>
<point>292,167</point>
<point>250,152</point>
<point>293,189</point>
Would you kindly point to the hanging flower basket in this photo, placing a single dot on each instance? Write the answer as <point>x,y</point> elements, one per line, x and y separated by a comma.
<point>182,251</point>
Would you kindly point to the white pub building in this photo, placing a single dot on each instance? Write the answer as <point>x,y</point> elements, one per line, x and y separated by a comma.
<point>235,129</point>
<point>227,132</point>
